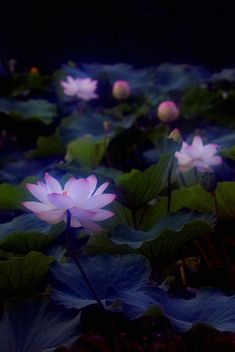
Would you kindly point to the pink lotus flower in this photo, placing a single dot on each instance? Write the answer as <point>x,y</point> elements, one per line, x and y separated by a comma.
<point>83,88</point>
<point>198,155</point>
<point>79,196</point>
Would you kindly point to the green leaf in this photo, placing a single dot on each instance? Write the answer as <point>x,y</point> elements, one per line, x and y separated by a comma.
<point>26,233</point>
<point>140,187</point>
<point>228,153</point>
<point>24,242</point>
<point>197,198</point>
<point>201,101</point>
<point>164,248</point>
<point>47,146</point>
<point>86,150</point>
<point>147,216</point>
<point>123,234</point>
<point>13,195</point>
<point>22,276</point>
<point>167,247</point>
<point>122,215</point>
<point>38,109</point>
<point>102,243</point>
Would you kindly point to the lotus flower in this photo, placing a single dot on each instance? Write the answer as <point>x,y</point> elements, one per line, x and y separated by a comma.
<point>198,155</point>
<point>83,88</point>
<point>79,196</point>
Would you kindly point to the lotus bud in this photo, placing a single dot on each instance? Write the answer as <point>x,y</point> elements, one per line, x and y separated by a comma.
<point>12,65</point>
<point>106,126</point>
<point>167,111</point>
<point>175,135</point>
<point>34,71</point>
<point>121,90</point>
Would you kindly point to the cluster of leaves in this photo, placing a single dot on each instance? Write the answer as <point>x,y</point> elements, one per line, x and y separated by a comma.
<point>163,265</point>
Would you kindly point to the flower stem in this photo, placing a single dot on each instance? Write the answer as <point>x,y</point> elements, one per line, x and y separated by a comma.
<point>202,252</point>
<point>221,240</point>
<point>182,273</point>
<point>169,188</point>
<point>214,256</point>
<point>88,282</point>
<point>196,175</point>
<point>106,140</point>
<point>182,179</point>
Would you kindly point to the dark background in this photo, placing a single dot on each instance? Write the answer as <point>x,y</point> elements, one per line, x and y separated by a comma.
<point>137,32</point>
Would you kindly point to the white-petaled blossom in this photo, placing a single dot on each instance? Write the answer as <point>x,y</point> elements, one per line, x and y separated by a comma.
<point>80,196</point>
<point>83,88</point>
<point>203,157</point>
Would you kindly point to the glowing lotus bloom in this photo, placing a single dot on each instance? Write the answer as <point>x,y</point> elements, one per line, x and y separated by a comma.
<point>83,88</point>
<point>79,196</point>
<point>198,155</point>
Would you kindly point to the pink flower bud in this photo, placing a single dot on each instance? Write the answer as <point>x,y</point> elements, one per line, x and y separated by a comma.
<point>121,90</point>
<point>175,135</point>
<point>34,71</point>
<point>106,126</point>
<point>167,111</point>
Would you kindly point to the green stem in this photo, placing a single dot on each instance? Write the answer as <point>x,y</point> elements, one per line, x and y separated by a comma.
<point>106,140</point>
<point>196,175</point>
<point>88,282</point>
<point>182,274</point>
<point>221,239</point>
<point>213,252</point>
<point>169,188</point>
<point>203,254</point>
<point>182,179</point>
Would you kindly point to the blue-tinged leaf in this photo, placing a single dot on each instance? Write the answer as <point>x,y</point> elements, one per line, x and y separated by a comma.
<point>26,222</point>
<point>38,109</point>
<point>209,306</point>
<point>104,271</point>
<point>161,249</point>
<point>178,77</point>
<point>37,325</point>
<point>16,170</point>
<point>76,126</point>
<point>123,234</point>
<point>227,74</point>
<point>141,80</point>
